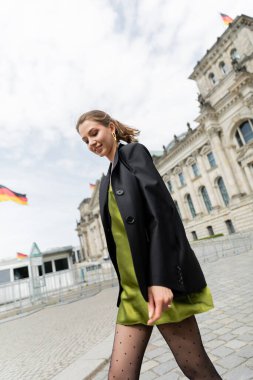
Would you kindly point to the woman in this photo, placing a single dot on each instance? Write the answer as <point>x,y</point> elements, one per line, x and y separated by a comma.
<point>160,280</point>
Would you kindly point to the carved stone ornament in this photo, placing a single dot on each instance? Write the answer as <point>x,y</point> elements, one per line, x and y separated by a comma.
<point>205,149</point>
<point>214,131</point>
<point>203,103</point>
<point>166,177</point>
<point>237,66</point>
<point>189,127</point>
<point>190,160</point>
<point>245,155</point>
<point>177,170</point>
<point>249,101</point>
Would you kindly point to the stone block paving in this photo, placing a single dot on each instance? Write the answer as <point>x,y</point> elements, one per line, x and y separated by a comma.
<point>40,345</point>
<point>227,330</point>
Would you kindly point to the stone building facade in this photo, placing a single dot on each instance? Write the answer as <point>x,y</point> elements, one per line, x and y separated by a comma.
<point>208,170</point>
<point>90,229</point>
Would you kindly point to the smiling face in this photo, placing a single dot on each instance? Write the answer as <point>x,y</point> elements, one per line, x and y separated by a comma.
<point>98,138</point>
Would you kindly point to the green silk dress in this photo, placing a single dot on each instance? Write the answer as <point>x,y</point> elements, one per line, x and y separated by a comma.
<point>133,308</point>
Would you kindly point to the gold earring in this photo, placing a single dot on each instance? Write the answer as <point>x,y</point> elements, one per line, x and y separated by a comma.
<point>114,136</point>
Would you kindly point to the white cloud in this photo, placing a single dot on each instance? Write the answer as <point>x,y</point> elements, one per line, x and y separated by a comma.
<point>60,59</point>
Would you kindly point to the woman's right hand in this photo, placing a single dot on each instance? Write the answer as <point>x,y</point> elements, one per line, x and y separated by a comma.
<point>159,299</point>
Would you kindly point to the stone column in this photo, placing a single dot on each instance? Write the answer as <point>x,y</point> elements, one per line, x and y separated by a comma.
<point>82,249</point>
<point>223,163</point>
<point>249,176</point>
<point>240,174</point>
<point>103,240</point>
<point>92,241</point>
<point>86,243</point>
<point>99,237</point>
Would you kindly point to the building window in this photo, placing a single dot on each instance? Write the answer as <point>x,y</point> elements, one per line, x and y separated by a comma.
<point>181,178</point>
<point>244,133</point>
<point>230,226</point>
<point>238,138</point>
<point>5,276</point>
<point>20,273</point>
<point>79,255</point>
<point>223,191</point>
<point>61,264</point>
<point>212,78</point>
<point>48,268</point>
<point>223,68</point>
<point>195,169</point>
<point>178,209</point>
<point>194,235</point>
<point>190,204</point>
<point>210,230</point>
<point>211,160</point>
<point>206,199</point>
<point>169,185</point>
<point>234,54</point>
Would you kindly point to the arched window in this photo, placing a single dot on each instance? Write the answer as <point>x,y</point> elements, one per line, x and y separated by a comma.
<point>211,160</point>
<point>223,68</point>
<point>244,133</point>
<point>178,209</point>
<point>212,78</point>
<point>181,178</point>
<point>234,54</point>
<point>190,204</point>
<point>195,169</point>
<point>206,199</point>
<point>223,191</point>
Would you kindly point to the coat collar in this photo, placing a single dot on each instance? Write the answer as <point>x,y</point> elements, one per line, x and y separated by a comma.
<point>115,160</point>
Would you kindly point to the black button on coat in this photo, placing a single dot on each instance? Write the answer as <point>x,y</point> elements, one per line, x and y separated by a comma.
<point>159,246</point>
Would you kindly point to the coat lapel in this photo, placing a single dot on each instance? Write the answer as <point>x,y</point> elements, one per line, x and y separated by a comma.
<point>104,186</point>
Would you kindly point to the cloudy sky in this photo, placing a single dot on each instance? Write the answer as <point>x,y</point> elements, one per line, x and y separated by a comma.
<point>61,58</point>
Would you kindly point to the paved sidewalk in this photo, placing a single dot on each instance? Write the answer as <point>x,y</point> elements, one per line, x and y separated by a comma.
<point>70,341</point>
<point>227,331</point>
<point>40,345</point>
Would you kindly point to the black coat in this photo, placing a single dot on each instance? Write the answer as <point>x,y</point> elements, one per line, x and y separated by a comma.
<point>160,249</point>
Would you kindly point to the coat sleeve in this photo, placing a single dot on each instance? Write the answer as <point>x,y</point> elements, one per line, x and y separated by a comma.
<point>166,233</point>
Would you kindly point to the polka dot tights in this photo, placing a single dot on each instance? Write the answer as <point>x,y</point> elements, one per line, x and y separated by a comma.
<point>183,338</point>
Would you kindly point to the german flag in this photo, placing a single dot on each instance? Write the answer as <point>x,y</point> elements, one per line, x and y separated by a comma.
<point>226,19</point>
<point>21,256</point>
<point>92,186</point>
<point>9,195</point>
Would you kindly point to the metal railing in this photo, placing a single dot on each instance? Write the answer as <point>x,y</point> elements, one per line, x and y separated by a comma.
<point>215,248</point>
<point>58,287</point>
<point>87,280</point>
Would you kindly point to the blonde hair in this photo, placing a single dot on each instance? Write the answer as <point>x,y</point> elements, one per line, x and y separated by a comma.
<point>122,131</point>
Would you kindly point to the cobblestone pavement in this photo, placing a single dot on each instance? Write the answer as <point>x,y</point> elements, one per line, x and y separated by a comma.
<point>227,330</point>
<point>42,344</point>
